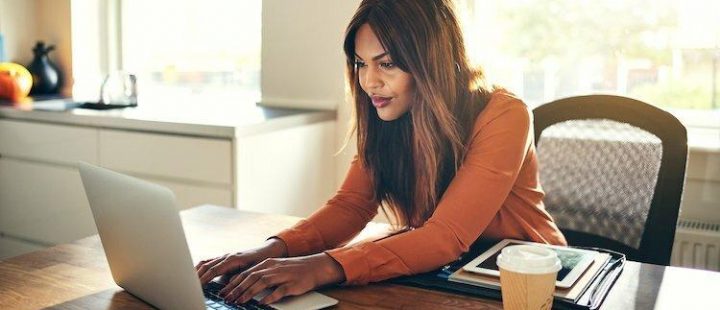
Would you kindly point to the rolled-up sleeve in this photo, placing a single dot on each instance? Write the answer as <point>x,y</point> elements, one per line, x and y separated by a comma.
<point>339,220</point>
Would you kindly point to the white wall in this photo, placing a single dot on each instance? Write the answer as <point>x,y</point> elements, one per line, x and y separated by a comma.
<point>302,57</point>
<point>303,61</point>
<point>23,22</point>
<point>297,180</point>
<point>18,24</point>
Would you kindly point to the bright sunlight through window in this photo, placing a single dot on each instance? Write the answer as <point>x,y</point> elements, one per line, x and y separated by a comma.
<point>193,47</point>
<point>664,52</point>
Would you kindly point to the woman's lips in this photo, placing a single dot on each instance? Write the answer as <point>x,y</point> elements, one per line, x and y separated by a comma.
<point>380,102</point>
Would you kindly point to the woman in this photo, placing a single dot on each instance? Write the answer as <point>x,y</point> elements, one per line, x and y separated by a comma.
<point>450,159</point>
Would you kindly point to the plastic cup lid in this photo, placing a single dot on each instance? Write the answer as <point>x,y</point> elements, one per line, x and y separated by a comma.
<point>529,259</point>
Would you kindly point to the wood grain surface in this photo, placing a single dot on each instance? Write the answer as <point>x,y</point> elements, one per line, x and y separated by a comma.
<point>77,276</point>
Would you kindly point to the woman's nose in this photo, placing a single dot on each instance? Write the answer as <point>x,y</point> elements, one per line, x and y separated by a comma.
<point>372,78</point>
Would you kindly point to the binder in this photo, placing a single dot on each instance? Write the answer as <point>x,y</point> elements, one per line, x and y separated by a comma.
<point>591,298</point>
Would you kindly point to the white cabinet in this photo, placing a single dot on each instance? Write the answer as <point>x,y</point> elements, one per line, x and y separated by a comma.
<point>197,159</point>
<point>42,200</point>
<point>282,167</point>
<point>189,195</point>
<point>197,170</point>
<point>10,247</point>
<point>48,142</point>
<point>702,187</point>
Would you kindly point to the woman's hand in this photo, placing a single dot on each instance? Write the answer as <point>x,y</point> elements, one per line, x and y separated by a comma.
<point>233,263</point>
<point>289,277</point>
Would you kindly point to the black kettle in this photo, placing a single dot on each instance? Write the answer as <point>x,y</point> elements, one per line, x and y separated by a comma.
<point>47,79</point>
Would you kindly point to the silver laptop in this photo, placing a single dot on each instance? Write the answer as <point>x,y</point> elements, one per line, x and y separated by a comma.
<point>143,238</point>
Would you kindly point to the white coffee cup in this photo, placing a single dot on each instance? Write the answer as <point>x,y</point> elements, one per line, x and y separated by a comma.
<point>527,276</point>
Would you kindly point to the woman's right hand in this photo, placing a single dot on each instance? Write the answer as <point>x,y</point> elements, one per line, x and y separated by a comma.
<point>237,262</point>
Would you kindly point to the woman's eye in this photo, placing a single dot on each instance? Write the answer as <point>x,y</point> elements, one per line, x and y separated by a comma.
<point>359,64</point>
<point>387,65</point>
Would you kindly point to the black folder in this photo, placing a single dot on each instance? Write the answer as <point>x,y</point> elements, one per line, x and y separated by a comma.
<point>591,299</point>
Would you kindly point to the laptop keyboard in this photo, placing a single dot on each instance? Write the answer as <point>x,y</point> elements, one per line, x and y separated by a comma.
<point>215,302</point>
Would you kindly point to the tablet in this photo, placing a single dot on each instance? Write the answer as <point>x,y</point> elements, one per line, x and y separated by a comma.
<point>574,261</point>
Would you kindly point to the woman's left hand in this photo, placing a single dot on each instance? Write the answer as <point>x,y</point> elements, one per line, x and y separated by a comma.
<point>289,276</point>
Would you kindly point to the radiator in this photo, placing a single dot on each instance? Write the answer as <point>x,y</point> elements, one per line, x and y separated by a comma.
<point>697,245</point>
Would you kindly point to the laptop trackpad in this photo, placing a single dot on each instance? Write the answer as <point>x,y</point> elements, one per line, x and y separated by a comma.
<point>309,300</point>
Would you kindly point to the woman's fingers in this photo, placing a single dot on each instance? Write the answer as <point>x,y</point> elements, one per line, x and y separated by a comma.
<point>240,277</point>
<point>287,276</point>
<point>254,283</point>
<point>203,266</point>
<point>230,285</point>
<point>262,282</point>
<point>229,264</point>
<point>202,262</point>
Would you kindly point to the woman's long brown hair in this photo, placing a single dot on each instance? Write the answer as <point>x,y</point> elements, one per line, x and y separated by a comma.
<point>411,160</point>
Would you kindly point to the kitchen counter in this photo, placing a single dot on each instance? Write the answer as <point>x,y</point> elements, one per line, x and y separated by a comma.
<point>230,153</point>
<point>220,119</point>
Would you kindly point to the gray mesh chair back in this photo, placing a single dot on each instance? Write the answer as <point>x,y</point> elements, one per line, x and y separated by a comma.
<point>613,170</point>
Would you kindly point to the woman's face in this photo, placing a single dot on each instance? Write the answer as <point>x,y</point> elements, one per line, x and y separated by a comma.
<point>389,87</point>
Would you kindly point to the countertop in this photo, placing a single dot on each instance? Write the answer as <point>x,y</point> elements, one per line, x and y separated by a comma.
<point>229,118</point>
<point>218,119</point>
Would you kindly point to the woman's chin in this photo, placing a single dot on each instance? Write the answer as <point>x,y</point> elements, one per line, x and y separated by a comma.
<point>388,116</point>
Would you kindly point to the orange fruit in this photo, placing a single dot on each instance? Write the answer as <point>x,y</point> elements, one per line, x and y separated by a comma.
<point>15,81</point>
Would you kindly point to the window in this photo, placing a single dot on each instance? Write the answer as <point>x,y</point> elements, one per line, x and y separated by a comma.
<point>192,48</point>
<point>664,52</point>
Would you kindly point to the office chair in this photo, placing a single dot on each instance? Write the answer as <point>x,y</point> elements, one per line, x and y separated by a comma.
<point>613,170</point>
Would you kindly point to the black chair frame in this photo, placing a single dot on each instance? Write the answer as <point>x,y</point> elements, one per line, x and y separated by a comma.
<point>659,232</point>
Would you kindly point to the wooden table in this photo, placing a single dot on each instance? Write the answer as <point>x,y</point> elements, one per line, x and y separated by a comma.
<point>77,276</point>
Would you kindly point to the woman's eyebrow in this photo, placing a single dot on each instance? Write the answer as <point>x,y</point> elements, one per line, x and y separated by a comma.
<point>374,58</point>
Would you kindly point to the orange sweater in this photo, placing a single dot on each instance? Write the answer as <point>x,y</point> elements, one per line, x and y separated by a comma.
<point>495,194</point>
